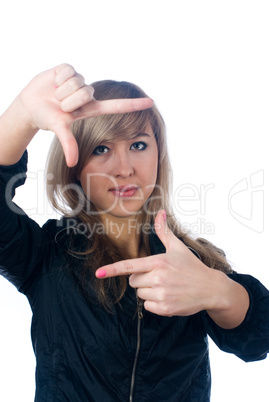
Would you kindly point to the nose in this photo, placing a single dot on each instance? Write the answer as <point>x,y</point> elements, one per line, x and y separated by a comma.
<point>123,166</point>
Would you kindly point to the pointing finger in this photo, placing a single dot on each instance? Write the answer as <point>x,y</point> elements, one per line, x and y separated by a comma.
<point>113,106</point>
<point>126,267</point>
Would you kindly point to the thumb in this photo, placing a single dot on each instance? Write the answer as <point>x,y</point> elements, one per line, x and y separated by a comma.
<point>162,230</point>
<point>69,145</point>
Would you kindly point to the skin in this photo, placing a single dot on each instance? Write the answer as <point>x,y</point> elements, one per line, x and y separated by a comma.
<point>130,162</point>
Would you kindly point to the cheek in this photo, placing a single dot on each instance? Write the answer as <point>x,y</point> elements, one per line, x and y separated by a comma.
<point>96,173</point>
<point>96,184</point>
<point>92,184</point>
<point>150,168</point>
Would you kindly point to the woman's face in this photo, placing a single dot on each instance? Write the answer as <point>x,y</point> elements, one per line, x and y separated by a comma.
<point>121,175</point>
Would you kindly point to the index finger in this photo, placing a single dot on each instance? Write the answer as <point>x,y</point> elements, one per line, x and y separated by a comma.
<point>114,106</point>
<point>126,267</point>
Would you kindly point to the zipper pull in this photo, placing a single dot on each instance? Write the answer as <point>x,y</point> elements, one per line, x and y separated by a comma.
<point>140,304</point>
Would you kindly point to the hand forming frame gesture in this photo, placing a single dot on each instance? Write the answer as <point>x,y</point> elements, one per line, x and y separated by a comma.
<point>53,100</point>
<point>178,283</point>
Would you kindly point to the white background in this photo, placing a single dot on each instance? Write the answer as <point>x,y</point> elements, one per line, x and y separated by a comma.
<point>206,64</point>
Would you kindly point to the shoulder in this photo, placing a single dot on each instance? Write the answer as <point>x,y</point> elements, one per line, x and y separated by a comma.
<point>59,227</point>
<point>67,233</point>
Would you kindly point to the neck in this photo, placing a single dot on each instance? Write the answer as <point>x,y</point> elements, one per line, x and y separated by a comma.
<point>125,233</point>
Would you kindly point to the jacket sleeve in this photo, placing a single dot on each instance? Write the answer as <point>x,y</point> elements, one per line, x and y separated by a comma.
<point>22,242</point>
<point>250,340</point>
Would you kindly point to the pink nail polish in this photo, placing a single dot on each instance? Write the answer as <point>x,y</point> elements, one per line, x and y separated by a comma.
<point>100,273</point>
<point>164,215</point>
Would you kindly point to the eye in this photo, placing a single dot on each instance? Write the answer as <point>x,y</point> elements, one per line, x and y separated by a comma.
<point>139,146</point>
<point>100,150</point>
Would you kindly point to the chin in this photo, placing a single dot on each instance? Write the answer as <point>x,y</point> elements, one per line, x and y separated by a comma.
<point>125,214</point>
<point>121,213</point>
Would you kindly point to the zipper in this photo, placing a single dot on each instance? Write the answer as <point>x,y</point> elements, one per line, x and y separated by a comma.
<point>138,344</point>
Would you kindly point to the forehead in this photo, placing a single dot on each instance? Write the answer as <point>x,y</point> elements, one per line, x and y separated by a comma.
<point>121,127</point>
<point>135,133</point>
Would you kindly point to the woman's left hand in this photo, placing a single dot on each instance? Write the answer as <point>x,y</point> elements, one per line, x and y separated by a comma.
<point>178,283</point>
<point>174,283</point>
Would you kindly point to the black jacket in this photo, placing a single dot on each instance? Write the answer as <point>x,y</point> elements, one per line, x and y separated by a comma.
<point>84,353</point>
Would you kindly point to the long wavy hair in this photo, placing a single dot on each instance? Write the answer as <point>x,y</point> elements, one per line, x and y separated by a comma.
<point>67,197</point>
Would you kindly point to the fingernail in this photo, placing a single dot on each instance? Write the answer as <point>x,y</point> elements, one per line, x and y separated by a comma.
<point>164,216</point>
<point>100,273</point>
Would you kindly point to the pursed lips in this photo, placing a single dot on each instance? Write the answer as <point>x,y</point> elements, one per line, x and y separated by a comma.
<point>124,191</point>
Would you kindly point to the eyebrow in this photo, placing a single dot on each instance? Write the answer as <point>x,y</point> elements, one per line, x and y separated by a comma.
<point>111,140</point>
<point>142,135</point>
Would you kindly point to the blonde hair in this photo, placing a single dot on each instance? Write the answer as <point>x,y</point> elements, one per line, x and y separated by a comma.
<point>67,197</point>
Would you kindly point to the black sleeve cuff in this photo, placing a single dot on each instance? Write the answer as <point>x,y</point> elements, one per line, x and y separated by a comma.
<point>250,340</point>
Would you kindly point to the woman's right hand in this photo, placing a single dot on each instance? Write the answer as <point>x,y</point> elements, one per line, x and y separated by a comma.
<point>54,99</point>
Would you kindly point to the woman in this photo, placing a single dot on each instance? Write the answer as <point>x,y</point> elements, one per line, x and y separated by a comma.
<point>122,298</point>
